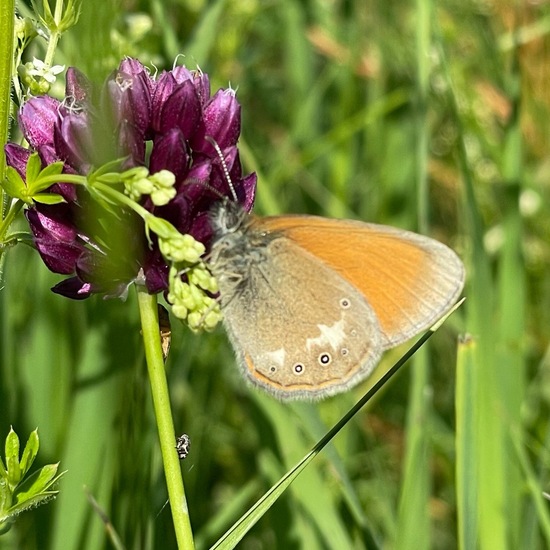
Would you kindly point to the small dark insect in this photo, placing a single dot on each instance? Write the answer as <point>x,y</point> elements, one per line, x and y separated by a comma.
<point>183,443</point>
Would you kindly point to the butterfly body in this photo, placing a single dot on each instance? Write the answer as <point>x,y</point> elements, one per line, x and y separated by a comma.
<point>311,303</point>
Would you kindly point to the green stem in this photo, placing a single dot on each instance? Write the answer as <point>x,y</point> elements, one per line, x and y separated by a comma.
<point>121,198</point>
<point>6,63</point>
<point>106,189</point>
<point>62,178</point>
<point>52,45</point>
<point>6,222</point>
<point>54,35</point>
<point>161,402</point>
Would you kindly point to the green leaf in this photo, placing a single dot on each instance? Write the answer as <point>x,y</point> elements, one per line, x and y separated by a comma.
<point>12,459</point>
<point>6,497</point>
<point>16,494</point>
<point>45,14</point>
<point>34,165</point>
<point>14,185</point>
<point>11,240</point>
<point>38,482</point>
<point>32,502</point>
<point>36,181</point>
<point>30,452</point>
<point>43,179</point>
<point>111,166</point>
<point>53,169</point>
<point>48,198</point>
<point>70,15</point>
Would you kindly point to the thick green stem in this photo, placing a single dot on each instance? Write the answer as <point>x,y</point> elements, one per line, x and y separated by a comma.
<point>6,64</point>
<point>161,402</point>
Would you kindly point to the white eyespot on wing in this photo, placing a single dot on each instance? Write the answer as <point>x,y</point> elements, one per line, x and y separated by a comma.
<point>333,336</point>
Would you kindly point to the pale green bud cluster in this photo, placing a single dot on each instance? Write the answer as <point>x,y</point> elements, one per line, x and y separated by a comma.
<point>159,186</point>
<point>190,301</point>
<point>181,248</point>
<point>24,29</point>
<point>39,76</point>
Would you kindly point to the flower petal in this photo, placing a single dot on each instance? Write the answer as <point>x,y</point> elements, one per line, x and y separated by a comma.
<point>55,239</point>
<point>202,85</point>
<point>222,120</point>
<point>17,157</point>
<point>182,110</point>
<point>73,288</point>
<point>74,142</point>
<point>127,97</point>
<point>77,86</point>
<point>37,119</point>
<point>170,153</point>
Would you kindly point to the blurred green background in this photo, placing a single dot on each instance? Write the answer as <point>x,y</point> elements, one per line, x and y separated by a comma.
<point>432,116</point>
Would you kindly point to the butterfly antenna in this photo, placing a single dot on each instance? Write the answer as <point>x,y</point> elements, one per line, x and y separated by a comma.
<point>214,144</point>
<point>196,181</point>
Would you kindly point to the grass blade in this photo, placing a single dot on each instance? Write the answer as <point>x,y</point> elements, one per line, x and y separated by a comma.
<point>232,537</point>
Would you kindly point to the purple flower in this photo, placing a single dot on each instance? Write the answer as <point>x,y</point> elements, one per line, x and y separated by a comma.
<point>167,123</point>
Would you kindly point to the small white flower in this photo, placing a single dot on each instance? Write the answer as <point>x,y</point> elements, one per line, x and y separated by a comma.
<point>38,68</point>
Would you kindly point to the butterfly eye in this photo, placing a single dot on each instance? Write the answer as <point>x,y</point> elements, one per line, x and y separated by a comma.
<point>344,352</point>
<point>325,359</point>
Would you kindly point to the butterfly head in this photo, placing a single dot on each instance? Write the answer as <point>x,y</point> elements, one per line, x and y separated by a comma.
<point>227,217</point>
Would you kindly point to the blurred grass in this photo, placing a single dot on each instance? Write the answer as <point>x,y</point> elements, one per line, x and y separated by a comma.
<point>423,115</point>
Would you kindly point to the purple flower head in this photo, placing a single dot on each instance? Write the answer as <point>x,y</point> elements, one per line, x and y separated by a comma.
<point>164,123</point>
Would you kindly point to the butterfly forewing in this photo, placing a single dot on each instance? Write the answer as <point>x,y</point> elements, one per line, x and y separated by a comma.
<point>408,279</point>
